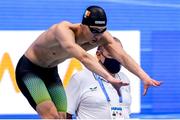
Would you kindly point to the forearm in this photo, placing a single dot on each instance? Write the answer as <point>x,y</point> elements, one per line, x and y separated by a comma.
<point>93,65</point>
<point>133,67</point>
<point>126,60</point>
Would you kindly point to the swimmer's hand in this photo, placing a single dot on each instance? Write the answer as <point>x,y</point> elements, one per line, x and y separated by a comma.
<point>150,82</point>
<point>118,83</point>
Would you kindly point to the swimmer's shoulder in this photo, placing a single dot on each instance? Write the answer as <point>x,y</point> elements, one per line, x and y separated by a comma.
<point>66,24</point>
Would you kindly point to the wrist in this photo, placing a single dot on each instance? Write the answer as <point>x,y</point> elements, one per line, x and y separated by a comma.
<point>109,78</point>
<point>144,76</point>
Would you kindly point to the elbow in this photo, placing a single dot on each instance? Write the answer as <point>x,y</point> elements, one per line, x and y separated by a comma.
<point>68,47</point>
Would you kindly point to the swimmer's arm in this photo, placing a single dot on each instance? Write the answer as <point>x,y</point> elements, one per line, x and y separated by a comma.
<point>118,53</point>
<point>66,38</point>
<point>116,50</point>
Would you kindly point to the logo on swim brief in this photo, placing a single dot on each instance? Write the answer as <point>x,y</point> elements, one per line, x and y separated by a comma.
<point>93,88</point>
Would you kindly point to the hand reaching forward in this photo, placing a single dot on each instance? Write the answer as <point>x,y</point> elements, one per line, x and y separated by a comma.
<point>118,83</point>
<point>149,83</point>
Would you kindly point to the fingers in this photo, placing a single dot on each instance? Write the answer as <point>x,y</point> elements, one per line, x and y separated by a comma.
<point>115,81</point>
<point>154,83</point>
<point>160,82</point>
<point>157,83</point>
<point>120,83</point>
<point>145,89</point>
<point>124,84</point>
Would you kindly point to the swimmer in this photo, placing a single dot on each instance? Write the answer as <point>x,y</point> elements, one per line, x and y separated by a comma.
<point>37,74</point>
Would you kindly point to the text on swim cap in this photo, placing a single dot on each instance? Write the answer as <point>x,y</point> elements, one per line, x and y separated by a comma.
<point>99,22</point>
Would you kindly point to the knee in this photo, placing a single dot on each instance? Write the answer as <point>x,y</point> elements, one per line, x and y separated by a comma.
<point>47,110</point>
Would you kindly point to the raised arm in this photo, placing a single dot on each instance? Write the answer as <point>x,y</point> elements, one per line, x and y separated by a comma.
<point>66,38</point>
<point>118,53</point>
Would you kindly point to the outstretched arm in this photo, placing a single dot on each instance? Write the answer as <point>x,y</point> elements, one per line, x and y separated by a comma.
<point>66,38</point>
<point>116,50</point>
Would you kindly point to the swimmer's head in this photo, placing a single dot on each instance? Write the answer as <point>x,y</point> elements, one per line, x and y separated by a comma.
<point>95,18</point>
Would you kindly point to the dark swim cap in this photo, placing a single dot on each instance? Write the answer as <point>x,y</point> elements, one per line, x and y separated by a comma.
<point>94,16</point>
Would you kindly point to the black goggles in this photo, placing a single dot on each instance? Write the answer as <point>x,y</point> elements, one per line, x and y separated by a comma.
<point>96,30</point>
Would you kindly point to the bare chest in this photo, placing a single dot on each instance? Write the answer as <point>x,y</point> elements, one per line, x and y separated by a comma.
<point>89,44</point>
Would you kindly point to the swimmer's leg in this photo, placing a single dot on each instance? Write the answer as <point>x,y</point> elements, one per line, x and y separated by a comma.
<point>38,91</point>
<point>58,96</point>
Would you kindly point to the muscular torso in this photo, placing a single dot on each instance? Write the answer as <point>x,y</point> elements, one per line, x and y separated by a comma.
<point>46,51</point>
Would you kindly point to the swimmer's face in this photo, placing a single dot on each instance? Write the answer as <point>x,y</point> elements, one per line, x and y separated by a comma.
<point>97,31</point>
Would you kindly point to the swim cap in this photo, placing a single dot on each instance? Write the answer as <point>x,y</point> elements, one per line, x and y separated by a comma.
<point>94,16</point>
